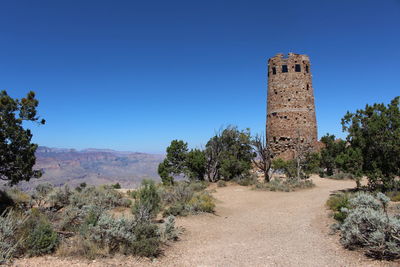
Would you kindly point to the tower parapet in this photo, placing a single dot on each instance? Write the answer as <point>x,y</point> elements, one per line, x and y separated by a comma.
<point>291,120</point>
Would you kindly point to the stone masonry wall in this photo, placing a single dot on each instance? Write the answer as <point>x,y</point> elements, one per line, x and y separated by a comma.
<point>291,121</point>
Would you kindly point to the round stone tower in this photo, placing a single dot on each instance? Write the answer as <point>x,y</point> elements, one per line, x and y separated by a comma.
<point>291,121</point>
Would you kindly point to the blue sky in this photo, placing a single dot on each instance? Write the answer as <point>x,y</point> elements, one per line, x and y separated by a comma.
<point>133,75</point>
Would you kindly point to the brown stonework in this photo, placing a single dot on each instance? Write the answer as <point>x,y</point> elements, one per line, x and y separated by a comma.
<point>291,121</point>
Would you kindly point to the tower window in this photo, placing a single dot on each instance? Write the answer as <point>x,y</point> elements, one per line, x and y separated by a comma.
<point>297,68</point>
<point>284,68</point>
<point>308,86</point>
<point>307,68</point>
<point>273,70</point>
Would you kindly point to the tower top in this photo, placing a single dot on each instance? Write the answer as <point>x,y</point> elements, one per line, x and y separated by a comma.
<point>289,57</point>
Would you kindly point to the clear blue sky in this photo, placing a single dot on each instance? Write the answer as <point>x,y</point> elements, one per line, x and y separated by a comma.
<point>133,75</point>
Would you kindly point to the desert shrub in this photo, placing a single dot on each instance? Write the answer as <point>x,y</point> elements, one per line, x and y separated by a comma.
<point>116,186</point>
<point>38,235</point>
<point>132,193</point>
<point>185,198</point>
<point>77,219</point>
<point>198,186</point>
<point>246,179</point>
<point>336,203</point>
<point>19,200</point>
<point>394,196</point>
<point>80,187</point>
<point>60,197</point>
<point>41,192</point>
<point>9,238</point>
<point>168,231</point>
<point>179,192</point>
<point>42,240</point>
<point>80,247</point>
<point>368,226</point>
<point>176,209</point>
<point>221,183</point>
<point>202,202</point>
<point>128,236</point>
<point>103,196</point>
<point>147,242</point>
<point>147,198</point>
<point>341,176</point>
<point>284,185</point>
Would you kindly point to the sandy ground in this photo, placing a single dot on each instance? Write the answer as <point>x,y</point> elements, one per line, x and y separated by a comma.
<point>250,228</point>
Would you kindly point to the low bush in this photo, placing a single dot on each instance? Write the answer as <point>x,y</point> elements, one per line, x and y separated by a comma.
<point>60,197</point>
<point>147,198</point>
<point>180,192</point>
<point>202,202</point>
<point>42,240</point>
<point>336,202</point>
<point>246,179</point>
<point>221,183</point>
<point>127,236</point>
<point>10,222</point>
<point>198,186</point>
<point>369,227</point>
<point>168,231</point>
<point>177,209</point>
<point>40,194</point>
<point>102,196</point>
<point>116,186</point>
<point>341,176</point>
<point>39,238</point>
<point>394,196</point>
<point>284,185</point>
<point>81,247</point>
<point>19,200</point>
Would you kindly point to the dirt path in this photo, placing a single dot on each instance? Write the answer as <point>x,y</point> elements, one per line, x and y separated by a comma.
<point>251,228</point>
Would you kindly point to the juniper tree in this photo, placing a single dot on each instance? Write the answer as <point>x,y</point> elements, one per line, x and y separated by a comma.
<point>17,152</point>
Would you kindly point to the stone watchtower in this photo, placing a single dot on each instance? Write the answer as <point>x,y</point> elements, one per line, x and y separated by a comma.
<point>291,121</point>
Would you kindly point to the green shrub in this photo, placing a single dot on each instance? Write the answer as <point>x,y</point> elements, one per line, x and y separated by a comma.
<point>368,226</point>
<point>221,183</point>
<point>147,242</point>
<point>42,240</point>
<point>147,199</point>
<point>38,235</point>
<point>336,203</point>
<point>132,193</point>
<point>116,186</point>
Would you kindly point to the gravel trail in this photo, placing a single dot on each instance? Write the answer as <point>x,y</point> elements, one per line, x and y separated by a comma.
<point>251,228</point>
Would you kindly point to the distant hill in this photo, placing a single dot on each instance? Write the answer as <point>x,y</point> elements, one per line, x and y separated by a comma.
<point>93,166</point>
